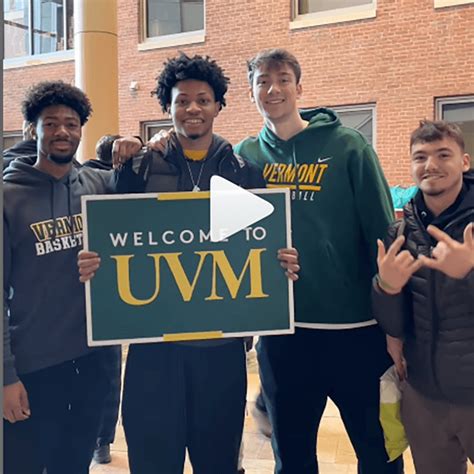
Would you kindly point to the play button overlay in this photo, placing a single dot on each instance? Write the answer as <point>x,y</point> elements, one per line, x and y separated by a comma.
<point>233,208</point>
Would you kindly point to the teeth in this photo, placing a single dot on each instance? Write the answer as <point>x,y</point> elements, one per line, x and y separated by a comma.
<point>193,121</point>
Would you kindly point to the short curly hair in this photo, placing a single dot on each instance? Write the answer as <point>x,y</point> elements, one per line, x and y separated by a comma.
<point>47,93</point>
<point>200,68</point>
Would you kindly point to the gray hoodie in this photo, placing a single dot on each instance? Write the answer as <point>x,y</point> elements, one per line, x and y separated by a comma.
<point>44,303</point>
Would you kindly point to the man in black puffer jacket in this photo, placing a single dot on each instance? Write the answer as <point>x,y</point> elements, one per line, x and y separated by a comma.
<point>423,298</point>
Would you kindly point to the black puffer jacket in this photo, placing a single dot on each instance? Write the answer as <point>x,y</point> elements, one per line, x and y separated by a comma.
<point>435,313</point>
<point>152,172</point>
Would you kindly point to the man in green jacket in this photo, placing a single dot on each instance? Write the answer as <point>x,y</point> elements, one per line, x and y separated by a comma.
<point>340,206</point>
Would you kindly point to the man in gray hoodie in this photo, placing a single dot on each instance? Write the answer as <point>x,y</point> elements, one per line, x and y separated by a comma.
<point>54,384</point>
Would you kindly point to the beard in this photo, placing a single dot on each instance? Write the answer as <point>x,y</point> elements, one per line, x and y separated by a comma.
<point>61,159</point>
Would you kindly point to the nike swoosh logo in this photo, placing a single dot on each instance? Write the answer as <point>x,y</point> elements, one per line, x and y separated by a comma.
<point>327,158</point>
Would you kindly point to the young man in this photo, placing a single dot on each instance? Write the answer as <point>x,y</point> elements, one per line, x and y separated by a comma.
<point>424,296</point>
<point>191,394</point>
<point>54,385</point>
<point>341,205</point>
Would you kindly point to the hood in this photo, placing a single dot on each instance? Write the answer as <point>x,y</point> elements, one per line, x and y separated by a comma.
<point>219,150</point>
<point>319,118</point>
<point>463,204</point>
<point>23,148</point>
<point>22,172</point>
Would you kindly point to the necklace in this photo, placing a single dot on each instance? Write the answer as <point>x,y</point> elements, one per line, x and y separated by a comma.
<point>196,187</point>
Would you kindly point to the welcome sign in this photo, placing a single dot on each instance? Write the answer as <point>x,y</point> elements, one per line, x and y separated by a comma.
<point>162,279</point>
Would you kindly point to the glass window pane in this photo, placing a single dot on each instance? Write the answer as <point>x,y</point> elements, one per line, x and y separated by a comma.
<point>48,26</point>
<point>70,24</point>
<point>166,17</point>
<point>463,115</point>
<point>16,17</point>
<point>361,120</point>
<point>313,6</point>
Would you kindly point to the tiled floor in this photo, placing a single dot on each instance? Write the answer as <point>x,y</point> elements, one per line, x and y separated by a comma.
<point>335,452</point>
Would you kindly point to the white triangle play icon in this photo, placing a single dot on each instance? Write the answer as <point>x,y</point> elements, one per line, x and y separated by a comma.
<point>234,208</point>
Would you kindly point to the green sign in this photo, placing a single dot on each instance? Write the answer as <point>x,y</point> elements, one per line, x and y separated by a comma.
<point>161,277</point>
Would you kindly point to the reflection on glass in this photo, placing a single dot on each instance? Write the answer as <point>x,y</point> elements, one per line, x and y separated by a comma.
<point>463,115</point>
<point>15,21</point>
<point>361,120</point>
<point>166,17</point>
<point>48,26</point>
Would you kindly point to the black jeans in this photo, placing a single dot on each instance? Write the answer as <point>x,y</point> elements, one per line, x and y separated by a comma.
<point>112,400</point>
<point>179,396</point>
<point>298,374</point>
<point>66,404</point>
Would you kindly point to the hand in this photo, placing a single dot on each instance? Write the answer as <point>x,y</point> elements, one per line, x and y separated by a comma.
<point>451,257</point>
<point>15,402</point>
<point>289,261</point>
<point>124,148</point>
<point>88,263</point>
<point>395,269</point>
<point>159,141</point>
<point>395,349</point>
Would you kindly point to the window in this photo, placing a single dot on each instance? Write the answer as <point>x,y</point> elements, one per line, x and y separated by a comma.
<point>461,111</point>
<point>148,129</point>
<point>169,17</point>
<point>10,138</point>
<point>450,3</point>
<point>360,117</point>
<point>321,12</point>
<point>35,27</point>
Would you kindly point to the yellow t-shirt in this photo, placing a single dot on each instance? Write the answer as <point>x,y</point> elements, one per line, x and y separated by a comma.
<point>195,155</point>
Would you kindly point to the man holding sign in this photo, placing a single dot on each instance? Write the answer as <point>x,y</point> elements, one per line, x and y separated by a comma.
<point>188,394</point>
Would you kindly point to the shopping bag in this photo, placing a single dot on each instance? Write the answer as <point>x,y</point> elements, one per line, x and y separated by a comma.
<point>390,398</point>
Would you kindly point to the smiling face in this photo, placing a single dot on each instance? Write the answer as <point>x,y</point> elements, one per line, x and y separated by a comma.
<point>58,133</point>
<point>275,92</point>
<point>193,110</point>
<point>437,168</point>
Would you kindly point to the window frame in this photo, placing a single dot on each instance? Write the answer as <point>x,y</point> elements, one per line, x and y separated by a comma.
<point>336,15</point>
<point>42,58</point>
<point>460,99</point>
<point>451,3</point>
<point>165,41</point>
<point>11,134</point>
<point>372,107</point>
<point>146,125</point>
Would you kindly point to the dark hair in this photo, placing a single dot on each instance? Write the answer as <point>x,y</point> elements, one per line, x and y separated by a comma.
<point>103,148</point>
<point>273,58</point>
<point>431,131</point>
<point>47,93</point>
<point>183,67</point>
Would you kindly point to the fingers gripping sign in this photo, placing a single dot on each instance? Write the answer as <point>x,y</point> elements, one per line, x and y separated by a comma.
<point>453,258</point>
<point>395,266</point>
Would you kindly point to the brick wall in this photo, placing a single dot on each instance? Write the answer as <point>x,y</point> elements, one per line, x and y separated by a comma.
<point>401,60</point>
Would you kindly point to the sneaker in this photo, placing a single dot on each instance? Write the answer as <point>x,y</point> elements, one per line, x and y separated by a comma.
<point>262,421</point>
<point>102,454</point>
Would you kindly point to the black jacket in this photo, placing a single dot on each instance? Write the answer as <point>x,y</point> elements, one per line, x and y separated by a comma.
<point>434,314</point>
<point>152,172</point>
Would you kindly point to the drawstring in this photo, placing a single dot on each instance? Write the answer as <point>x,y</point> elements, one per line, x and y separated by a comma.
<point>297,178</point>
<point>69,212</point>
<point>53,217</point>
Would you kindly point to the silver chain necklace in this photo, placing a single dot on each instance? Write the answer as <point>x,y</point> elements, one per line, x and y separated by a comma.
<point>196,187</point>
